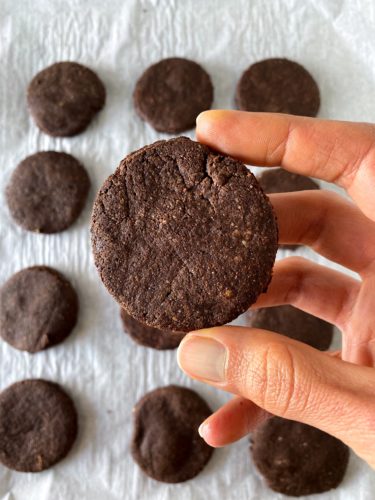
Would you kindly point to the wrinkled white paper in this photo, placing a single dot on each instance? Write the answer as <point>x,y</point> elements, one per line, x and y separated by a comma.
<point>103,370</point>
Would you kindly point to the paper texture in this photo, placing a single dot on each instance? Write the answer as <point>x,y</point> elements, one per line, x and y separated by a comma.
<point>99,365</point>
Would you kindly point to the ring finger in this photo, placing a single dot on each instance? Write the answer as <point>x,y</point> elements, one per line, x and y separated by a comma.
<point>331,225</point>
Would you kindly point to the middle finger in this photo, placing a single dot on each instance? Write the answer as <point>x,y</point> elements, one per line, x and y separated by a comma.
<point>331,225</point>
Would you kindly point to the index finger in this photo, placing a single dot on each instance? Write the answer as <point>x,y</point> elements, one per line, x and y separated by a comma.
<point>339,152</point>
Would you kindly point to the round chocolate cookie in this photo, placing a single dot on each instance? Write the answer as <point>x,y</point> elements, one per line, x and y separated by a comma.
<point>278,86</point>
<point>296,459</point>
<point>64,98</point>
<point>278,180</point>
<point>166,444</point>
<point>171,93</point>
<point>293,323</point>
<point>38,425</point>
<point>183,238</point>
<point>47,192</point>
<point>38,309</point>
<point>148,336</point>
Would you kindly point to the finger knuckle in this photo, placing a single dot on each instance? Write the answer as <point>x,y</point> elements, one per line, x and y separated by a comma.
<point>298,266</point>
<point>278,381</point>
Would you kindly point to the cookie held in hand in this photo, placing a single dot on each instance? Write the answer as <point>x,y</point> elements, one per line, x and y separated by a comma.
<point>183,237</point>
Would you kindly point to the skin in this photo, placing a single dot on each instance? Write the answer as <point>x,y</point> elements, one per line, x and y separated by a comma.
<point>268,373</point>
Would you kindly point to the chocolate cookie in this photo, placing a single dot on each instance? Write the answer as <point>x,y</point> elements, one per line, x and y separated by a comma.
<point>171,93</point>
<point>293,323</point>
<point>38,309</point>
<point>296,459</point>
<point>183,237</point>
<point>148,336</point>
<point>166,444</point>
<point>278,86</point>
<point>64,98</point>
<point>278,180</point>
<point>38,425</point>
<point>47,192</point>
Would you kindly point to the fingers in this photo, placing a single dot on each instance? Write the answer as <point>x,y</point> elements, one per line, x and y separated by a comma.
<point>318,290</point>
<point>339,152</point>
<point>231,422</point>
<point>331,225</point>
<point>286,378</point>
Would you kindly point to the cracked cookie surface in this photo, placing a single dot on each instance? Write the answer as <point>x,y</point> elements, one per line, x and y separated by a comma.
<point>183,237</point>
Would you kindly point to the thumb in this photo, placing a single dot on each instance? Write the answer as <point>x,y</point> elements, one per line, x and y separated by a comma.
<point>288,379</point>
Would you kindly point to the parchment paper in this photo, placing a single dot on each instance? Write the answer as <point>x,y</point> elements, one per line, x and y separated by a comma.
<point>99,365</point>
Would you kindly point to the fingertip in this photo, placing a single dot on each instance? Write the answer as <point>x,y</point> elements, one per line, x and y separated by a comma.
<point>207,124</point>
<point>203,358</point>
<point>208,116</point>
<point>181,348</point>
<point>227,131</point>
<point>179,352</point>
<point>205,432</point>
<point>201,430</point>
<point>201,118</point>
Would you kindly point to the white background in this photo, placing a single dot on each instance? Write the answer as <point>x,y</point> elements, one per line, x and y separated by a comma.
<point>103,370</point>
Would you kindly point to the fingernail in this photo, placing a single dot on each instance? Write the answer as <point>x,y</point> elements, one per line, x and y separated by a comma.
<point>209,115</point>
<point>200,430</point>
<point>199,117</point>
<point>203,358</point>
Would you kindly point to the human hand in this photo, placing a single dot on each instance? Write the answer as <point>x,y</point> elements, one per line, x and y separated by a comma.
<point>334,392</point>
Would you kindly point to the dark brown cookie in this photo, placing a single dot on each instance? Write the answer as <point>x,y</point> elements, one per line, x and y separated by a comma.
<point>166,444</point>
<point>183,238</point>
<point>293,323</point>
<point>64,98</point>
<point>38,425</point>
<point>296,459</point>
<point>278,180</point>
<point>278,86</point>
<point>171,93</point>
<point>148,336</point>
<point>47,192</point>
<point>38,309</point>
